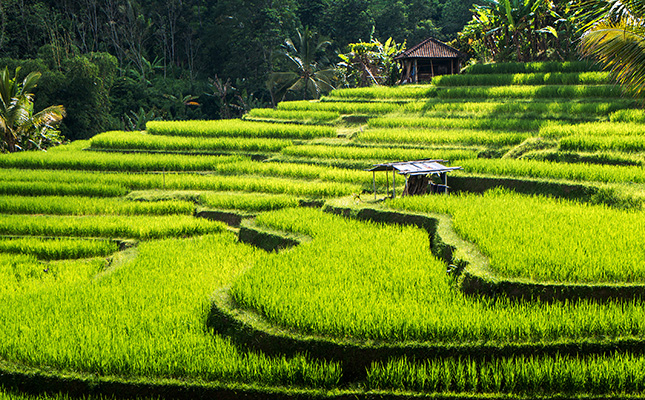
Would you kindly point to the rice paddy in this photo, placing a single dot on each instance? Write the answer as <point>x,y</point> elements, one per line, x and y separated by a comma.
<point>109,277</point>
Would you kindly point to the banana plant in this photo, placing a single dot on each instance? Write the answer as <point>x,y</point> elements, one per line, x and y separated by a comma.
<point>21,129</point>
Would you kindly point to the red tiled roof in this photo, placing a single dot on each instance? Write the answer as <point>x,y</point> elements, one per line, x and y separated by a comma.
<point>430,48</point>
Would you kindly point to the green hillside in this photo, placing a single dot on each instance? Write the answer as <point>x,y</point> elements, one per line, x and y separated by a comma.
<point>253,259</point>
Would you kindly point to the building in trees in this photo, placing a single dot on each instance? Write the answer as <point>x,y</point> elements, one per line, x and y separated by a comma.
<point>427,59</point>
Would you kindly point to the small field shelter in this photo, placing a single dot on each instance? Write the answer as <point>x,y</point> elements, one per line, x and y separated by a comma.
<point>427,59</point>
<point>416,176</point>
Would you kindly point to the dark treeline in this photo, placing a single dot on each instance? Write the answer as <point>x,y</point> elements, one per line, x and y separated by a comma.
<point>116,63</point>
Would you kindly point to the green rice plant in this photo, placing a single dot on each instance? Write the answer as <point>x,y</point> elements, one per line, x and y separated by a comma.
<point>343,107</point>
<point>593,129</point>
<point>385,154</point>
<point>308,116</point>
<point>23,275</point>
<point>145,321</point>
<point>135,227</point>
<point>628,116</point>
<point>603,143</point>
<point>532,67</point>
<point>440,136</point>
<point>101,161</point>
<point>58,249</point>
<point>606,158</point>
<point>248,201</point>
<point>554,170</point>
<point>117,140</point>
<point>613,375</point>
<point>6,394</point>
<point>572,244</point>
<point>386,92</point>
<point>237,128</point>
<point>496,124</point>
<point>45,188</point>
<point>376,282</point>
<point>568,110</point>
<point>201,182</point>
<point>539,78</point>
<point>75,205</point>
<point>531,92</point>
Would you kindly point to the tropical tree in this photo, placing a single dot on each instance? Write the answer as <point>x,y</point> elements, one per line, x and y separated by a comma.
<point>371,63</point>
<point>615,36</point>
<point>309,75</point>
<point>520,30</point>
<point>22,129</point>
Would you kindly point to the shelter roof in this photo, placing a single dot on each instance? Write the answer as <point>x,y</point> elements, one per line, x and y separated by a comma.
<point>430,48</point>
<point>420,167</point>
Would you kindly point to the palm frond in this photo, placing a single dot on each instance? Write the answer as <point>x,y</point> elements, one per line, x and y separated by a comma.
<point>621,48</point>
<point>49,117</point>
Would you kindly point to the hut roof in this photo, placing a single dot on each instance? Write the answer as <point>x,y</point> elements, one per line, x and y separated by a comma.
<point>421,167</point>
<point>430,48</point>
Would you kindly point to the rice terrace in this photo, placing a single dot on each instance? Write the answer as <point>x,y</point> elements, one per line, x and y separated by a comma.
<point>251,258</point>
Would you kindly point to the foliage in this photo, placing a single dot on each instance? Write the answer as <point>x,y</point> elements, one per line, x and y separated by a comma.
<point>314,116</point>
<point>74,205</point>
<point>248,201</point>
<point>371,63</point>
<point>116,184</point>
<point>580,78</point>
<point>531,67</point>
<point>384,154</point>
<point>387,287</point>
<point>143,320</point>
<point>87,160</point>
<point>521,30</point>
<point>615,37</point>
<point>554,170</point>
<point>58,249</point>
<point>136,227</point>
<point>598,374</point>
<point>510,229</point>
<point>21,128</point>
<point>495,123</point>
<point>441,136</point>
<point>309,75</point>
<point>237,128</point>
<point>117,140</point>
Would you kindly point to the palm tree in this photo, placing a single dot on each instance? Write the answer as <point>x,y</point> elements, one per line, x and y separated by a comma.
<point>615,36</point>
<point>21,129</point>
<point>307,75</point>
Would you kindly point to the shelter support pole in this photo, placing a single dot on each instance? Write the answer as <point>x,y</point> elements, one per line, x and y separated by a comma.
<point>387,183</point>
<point>432,67</point>
<point>374,183</point>
<point>416,72</point>
<point>445,182</point>
<point>393,183</point>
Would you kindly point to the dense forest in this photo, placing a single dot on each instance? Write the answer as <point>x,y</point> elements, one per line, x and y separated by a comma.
<point>117,63</point>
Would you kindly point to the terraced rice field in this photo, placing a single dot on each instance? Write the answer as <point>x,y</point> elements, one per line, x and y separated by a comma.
<point>252,258</point>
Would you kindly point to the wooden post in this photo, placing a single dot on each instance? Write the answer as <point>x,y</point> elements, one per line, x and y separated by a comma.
<point>387,183</point>
<point>445,182</point>
<point>374,183</point>
<point>431,68</point>
<point>416,71</point>
<point>393,183</point>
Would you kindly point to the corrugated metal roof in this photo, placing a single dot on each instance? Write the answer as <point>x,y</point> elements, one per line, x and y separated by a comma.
<point>420,167</point>
<point>430,48</point>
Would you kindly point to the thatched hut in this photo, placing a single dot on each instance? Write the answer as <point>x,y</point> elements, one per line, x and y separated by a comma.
<point>427,59</point>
